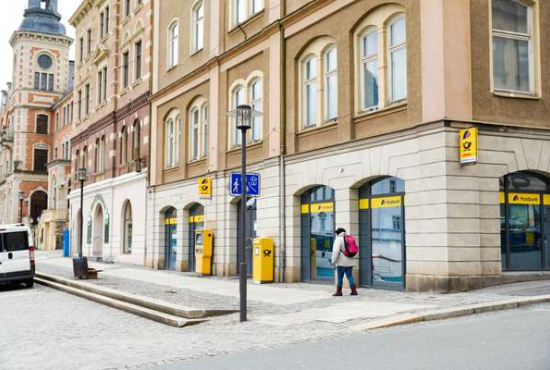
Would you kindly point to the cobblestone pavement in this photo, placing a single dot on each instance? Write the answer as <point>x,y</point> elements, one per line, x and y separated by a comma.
<point>45,329</point>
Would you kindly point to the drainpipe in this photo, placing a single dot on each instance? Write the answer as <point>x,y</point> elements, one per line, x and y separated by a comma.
<point>282,173</point>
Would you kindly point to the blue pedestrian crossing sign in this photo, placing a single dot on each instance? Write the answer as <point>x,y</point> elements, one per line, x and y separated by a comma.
<point>252,184</point>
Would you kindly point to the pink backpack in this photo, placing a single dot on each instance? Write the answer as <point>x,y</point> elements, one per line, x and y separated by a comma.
<point>350,246</point>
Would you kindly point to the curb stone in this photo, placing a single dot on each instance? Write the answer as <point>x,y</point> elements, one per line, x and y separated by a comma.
<point>450,313</point>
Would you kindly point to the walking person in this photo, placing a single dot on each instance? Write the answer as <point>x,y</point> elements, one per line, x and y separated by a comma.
<point>343,252</point>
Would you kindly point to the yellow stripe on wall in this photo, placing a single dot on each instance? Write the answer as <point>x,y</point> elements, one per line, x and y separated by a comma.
<point>547,199</point>
<point>364,204</point>
<point>386,202</point>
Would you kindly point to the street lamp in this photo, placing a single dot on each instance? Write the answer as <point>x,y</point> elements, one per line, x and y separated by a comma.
<point>82,178</point>
<point>21,197</point>
<point>80,263</point>
<point>243,116</point>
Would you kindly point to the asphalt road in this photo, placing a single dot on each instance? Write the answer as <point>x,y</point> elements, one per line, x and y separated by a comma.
<point>507,340</point>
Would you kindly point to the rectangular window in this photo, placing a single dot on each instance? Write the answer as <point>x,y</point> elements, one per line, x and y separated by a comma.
<point>138,59</point>
<point>310,94</point>
<point>43,81</point>
<point>37,81</point>
<point>81,45</point>
<point>101,25</point>
<point>256,104</point>
<point>240,11</point>
<point>89,41</point>
<point>256,6</point>
<point>512,46</point>
<point>87,110</point>
<point>331,85</point>
<point>195,134</point>
<point>198,27</point>
<point>50,82</point>
<point>173,53</point>
<point>398,60</point>
<point>40,160</point>
<point>125,68</point>
<point>105,86</point>
<point>238,97</point>
<point>107,20</point>
<point>99,86</point>
<point>204,148</point>
<point>127,8</point>
<point>80,104</point>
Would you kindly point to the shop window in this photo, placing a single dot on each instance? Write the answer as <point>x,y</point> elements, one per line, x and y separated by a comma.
<point>525,221</point>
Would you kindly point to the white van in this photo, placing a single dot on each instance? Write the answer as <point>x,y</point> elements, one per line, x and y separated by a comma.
<point>16,255</point>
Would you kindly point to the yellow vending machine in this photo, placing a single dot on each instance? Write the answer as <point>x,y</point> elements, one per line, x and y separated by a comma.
<point>204,243</point>
<point>262,267</point>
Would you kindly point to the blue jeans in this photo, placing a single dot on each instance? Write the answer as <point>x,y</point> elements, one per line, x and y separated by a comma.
<point>340,270</point>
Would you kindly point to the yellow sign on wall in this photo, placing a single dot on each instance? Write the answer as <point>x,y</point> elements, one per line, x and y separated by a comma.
<point>171,221</point>
<point>205,187</point>
<point>197,219</point>
<point>322,207</point>
<point>468,145</point>
<point>526,199</point>
<point>386,202</point>
<point>364,204</point>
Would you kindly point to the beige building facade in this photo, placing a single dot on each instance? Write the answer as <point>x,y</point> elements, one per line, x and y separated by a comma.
<point>362,104</point>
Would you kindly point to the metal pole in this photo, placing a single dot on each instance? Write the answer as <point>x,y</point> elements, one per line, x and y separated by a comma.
<point>81,219</point>
<point>20,211</point>
<point>242,272</point>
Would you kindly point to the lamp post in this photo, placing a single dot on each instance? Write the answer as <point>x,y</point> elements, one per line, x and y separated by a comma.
<point>243,115</point>
<point>82,178</point>
<point>21,197</point>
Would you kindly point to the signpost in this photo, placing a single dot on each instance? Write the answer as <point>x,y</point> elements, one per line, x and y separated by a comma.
<point>252,184</point>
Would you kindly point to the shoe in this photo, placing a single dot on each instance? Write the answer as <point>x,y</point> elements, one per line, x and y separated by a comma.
<point>353,290</point>
<point>338,292</point>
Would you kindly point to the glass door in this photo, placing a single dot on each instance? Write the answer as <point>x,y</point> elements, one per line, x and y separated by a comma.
<point>524,223</point>
<point>171,238</point>
<point>196,223</point>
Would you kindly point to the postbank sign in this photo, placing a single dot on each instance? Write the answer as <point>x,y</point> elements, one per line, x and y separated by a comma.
<point>468,145</point>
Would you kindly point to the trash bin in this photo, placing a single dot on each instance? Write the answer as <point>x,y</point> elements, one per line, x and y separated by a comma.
<point>262,267</point>
<point>80,267</point>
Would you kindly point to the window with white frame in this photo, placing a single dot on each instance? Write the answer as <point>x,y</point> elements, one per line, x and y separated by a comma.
<point>172,140</point>
<point>397,53</point>
<point>198,27</point>
<point>513,62</point>
<point>255,92</point>
<point>194,134</point>
<point>331,83</point>
<point>245,9</point>
<point>380,54</point>
<point>173,44</point>
<point>310,92</point>
<point>238,99</point>
<point>204,133</point>
<point>369,69</point>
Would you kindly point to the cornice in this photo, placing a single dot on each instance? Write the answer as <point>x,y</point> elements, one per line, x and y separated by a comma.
<point>81,12</point>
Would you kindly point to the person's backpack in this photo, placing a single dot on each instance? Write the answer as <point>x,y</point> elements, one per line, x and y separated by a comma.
<point>350,246</point>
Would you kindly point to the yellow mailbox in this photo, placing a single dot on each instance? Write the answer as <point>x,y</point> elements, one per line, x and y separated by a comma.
<point>204,242</point>
<point>262,267</point>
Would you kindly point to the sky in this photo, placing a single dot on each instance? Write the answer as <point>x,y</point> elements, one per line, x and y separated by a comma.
<point>11,16</point>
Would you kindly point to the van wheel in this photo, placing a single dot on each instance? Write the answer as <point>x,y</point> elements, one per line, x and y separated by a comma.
<point>29,283</point>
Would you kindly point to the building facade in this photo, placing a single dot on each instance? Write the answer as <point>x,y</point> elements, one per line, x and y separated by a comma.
<point>111,125</point>
<point>40,79</point>
<point>362,104</point>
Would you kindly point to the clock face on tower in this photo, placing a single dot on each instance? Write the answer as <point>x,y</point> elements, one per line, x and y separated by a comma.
<point>44,61</point>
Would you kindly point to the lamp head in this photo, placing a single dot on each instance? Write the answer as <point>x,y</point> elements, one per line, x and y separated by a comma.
<point>82,174</point>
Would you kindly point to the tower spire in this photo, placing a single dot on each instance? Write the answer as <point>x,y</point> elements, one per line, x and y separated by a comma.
<point>41,16</point>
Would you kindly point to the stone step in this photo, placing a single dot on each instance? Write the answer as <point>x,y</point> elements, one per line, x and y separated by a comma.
<point>137,300</point>
<point>144,312</point>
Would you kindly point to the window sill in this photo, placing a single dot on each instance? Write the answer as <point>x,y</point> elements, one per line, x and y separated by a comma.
<point>516,95</point>
<point>172,169</point>
<point>170,68</point>
<point>395,107</point>
<point>235,27</point>
<point>249,146</point>
<point>124,91</point>
<point>137,8</point>
<point>195,52</point>
<point>197,162</point>
<point>135,83</point>
<point>125,20</point>
<point>101,105</point>
<point>103,39</point>
<point>318,128</point>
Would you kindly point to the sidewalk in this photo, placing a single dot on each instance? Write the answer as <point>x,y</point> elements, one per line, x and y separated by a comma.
<point>298,305</point>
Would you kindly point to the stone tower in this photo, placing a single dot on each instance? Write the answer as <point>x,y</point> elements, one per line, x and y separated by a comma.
<point>40,78</point>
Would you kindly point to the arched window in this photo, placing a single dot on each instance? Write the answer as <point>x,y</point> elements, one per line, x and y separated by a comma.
<point>85,157</point>
<point>103,153</point>
<point>369,69</point>
<point>310,92</point>
<point>381,59</point>
<point>198,129</point>
<point>198,27</point>
<point>238,99</point>
<point>173,44</point>
<point>42,122</point>
<point>128,228</point>
<point>97,156</point>
<point>204,147</point>
<point>256,104</point>
<point>397,54</point>
<point>513,61</point>
<point>245,9</point>
<point>331,83</point>
<point>239,11</point>
<point>124,146</point>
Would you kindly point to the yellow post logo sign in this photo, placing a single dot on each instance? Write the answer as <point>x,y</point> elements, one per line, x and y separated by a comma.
<point>322,207</point>
<point>468,145</point>
<point>526,199</point>
<point>387,202</point>
<point>205,187</point>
